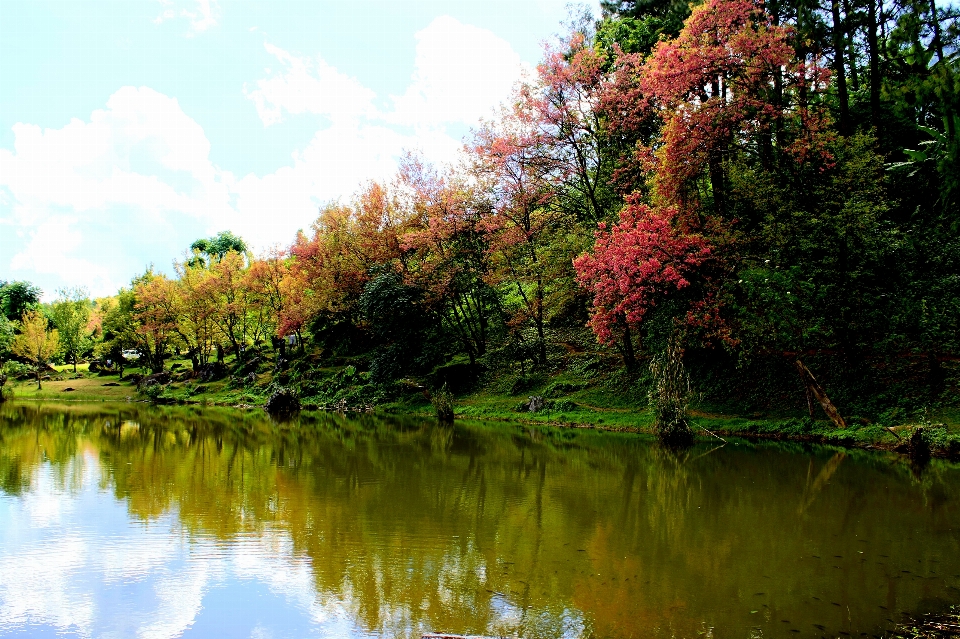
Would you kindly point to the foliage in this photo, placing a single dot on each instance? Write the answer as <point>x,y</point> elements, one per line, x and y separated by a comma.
<point>70,314</point>
<point>6,337</point>
<point>670,394</point>
<point>35,342</point>
<point>214,249</point>
<point>748,183</point>
<point>442,401</point>
<point>640,259</point>
<point>16,298</point>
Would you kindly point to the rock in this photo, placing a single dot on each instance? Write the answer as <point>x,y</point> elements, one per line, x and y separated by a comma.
<point>251,379</point>
<point>111,384</point>
<point>249,366</point>
<point>69,390</point>
<point>210,372</point>
<point>161,378</point>
<point>536,403</point>
<point>94,366</point>
<point>283,402</point>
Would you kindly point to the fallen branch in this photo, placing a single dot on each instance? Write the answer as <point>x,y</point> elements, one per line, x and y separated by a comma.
<point>814,387</point>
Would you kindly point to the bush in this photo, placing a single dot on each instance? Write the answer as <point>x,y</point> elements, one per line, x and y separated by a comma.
<point>17,370</point>
<point>152,391</point>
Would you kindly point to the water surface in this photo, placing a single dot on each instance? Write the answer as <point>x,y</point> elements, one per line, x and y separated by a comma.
<point>124,521</point>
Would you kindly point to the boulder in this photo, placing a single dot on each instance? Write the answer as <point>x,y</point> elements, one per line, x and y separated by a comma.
<point>282,402</point>
<point>536,403</point>
<point>210,372</point>
<point>162,378</point>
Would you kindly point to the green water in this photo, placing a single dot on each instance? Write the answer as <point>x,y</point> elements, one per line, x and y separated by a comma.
<point>164,522</point>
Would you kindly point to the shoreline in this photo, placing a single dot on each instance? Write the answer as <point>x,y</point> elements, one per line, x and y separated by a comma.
<point>752,429</point>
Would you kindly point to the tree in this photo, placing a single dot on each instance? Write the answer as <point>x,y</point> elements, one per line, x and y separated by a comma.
<point>520,222</point>
<point>70,314</point>
<point>268,281</point>
<point>119,327</point>
<point>633,266</point>
<point>194,311</point>
<point>7,333</point>
<point>729,83</point>
<point>233,314</point>
<point>16,298</point>
<point>445,254</point>
<point>154,318</point>
<point>35,342</point>
<point>213,249</point>
<point>348,245</point>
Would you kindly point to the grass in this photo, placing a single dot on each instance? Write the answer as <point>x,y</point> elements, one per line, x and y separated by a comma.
<point>572,403</point>
<point>86,387</point>
<point>602,402</point>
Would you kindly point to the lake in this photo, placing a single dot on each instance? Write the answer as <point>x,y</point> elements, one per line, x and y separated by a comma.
<point>130,520</point>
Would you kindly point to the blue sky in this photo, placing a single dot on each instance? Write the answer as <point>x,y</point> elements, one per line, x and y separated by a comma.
<point>128,128</point>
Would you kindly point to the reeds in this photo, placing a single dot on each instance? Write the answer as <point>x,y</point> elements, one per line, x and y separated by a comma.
<point>670,394</point>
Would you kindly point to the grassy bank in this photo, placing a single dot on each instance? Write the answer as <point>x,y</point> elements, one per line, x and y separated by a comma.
<point>569,401</point>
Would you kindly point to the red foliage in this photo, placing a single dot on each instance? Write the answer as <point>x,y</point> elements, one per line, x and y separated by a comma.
<point>729,75</point>
<point>634,263</point>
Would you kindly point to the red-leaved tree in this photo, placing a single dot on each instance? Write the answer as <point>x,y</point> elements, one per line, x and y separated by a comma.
<point>633,265</point>
<point>729,81</point>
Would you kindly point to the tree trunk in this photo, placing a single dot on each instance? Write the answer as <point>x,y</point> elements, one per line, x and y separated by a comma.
<point>39,385</point>
<point>938,45</point>
<point>626,349</point>
<point>935,375</point>
<point>811,383</point>
<point>937,40</point>
<point>874,51</point>
<point>542,354</point>
<point>839,68</point>
<point>851,49</point>
<point>716,167</point>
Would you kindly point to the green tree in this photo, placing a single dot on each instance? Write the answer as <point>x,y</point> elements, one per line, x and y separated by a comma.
<point>119,328</point>
<point>209,251</point>
<point>71,315</point>
<point>7,332</point>
<point>35,342</point>
<point>16,298</point>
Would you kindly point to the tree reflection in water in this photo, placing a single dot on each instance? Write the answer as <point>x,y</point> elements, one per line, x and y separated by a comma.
<point>410,526</point>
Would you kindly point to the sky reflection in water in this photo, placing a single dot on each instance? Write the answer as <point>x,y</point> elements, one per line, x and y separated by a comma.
<point>131,521</point>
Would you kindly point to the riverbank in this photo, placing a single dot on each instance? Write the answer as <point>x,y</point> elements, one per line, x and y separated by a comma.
<point>566,403</point>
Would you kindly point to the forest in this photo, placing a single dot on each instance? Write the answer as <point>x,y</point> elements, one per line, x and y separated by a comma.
<point>756,203</point>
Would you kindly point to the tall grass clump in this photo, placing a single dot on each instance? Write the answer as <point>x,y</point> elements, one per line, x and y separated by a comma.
<point>670,395</point>
<point>442,401</point>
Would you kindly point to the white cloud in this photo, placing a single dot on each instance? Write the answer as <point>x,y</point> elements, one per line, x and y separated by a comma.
<point>136,182</point>
<point>92,203</point>
<point>461,73</point>
<point>201,14</point>
<point>308,86</point>
<point>134,176</point>
<point>49,249</point>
